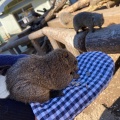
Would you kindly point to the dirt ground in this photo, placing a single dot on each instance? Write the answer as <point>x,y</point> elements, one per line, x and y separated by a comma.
<point>107,104</point>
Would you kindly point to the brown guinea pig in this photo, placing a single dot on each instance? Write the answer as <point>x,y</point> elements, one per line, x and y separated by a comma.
<point>40,78</point>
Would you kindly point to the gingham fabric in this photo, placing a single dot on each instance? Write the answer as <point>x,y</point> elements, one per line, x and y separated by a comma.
<point>96,70</point>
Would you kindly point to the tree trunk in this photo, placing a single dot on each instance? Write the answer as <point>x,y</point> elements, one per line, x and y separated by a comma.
<point>106,40</point>
<point>37,47</point>
<point>100,4</point>
<point>77,5</point>
<point>64,36</point>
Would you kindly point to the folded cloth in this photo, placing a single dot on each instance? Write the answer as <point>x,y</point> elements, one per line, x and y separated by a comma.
<point>8,60</point>
<point>95,70</point>
<point>14,110</point>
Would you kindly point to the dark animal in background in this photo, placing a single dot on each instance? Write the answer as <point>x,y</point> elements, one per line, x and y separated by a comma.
<point>40,78</point>
<point>87,19</point>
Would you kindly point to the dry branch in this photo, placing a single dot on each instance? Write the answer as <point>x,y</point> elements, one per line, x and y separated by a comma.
<point>13,44</point>
<point>50,14</point>
<point>65,36</point>
<point>60,6</point>
<point>97,4</point>
<point>77,5</point>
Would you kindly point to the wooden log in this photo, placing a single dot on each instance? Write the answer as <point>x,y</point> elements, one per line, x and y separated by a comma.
<point>14,43</point>
<point>65,36</point>
<point>29,51</point>
<point>24,40</point>
<point>60,6</point>
<point>37,47</point>
<point>54,43</point>
<point>111,16</point>
<point>79,41</point>
<point>77,5</point>
<point>106,40</point>
<point>98,4</point>
<point>24,33</point>
<point>13,38</point>
<point>62,35</point>
<point>35,35</point>
<point>18,50</point>
<point>12,51</point>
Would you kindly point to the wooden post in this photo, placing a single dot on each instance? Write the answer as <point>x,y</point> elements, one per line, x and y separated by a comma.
<point>64,36</point>
<point>55,44</point>
<point>77,5</point>
<point>106,40</point>
<point>18,49</point>
<point>14,43</point>
<point>12,51</point>
<point>37,47</point>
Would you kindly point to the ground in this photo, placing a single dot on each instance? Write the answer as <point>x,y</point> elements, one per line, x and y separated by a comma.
<point>110,98</point>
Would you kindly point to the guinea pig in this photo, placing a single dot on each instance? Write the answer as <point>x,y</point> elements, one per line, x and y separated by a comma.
<point>39,78</point>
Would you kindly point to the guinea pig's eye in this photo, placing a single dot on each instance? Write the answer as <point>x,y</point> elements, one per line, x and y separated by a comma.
<point>66,56</point>
<point>75,62</point>
<point>71,73</point>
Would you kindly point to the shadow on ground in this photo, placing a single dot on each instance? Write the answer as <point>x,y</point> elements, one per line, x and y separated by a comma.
<point>113,111</point>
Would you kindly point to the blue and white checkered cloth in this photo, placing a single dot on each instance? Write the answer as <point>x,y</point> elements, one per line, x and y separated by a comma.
<point>96,70</point>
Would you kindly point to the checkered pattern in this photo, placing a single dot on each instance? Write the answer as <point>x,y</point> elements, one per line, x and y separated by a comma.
<point>96,70</point>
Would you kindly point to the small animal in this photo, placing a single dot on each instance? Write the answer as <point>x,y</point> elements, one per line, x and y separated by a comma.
<point>87,19</point>
<point>40,78</point>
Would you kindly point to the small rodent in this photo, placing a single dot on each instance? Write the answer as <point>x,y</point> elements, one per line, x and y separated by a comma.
<point>87,19</point>
<point>40,78</point>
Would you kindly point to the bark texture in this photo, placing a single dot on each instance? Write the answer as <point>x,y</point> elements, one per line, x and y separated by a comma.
<point>106,40</point>
<point>77,5</point>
